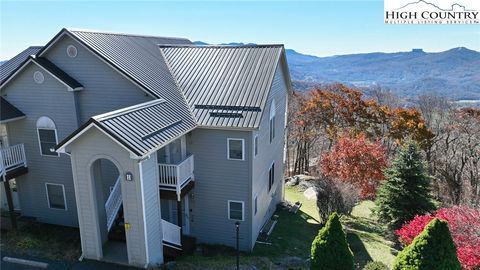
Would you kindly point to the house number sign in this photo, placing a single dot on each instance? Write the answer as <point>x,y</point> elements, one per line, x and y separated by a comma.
<point>129,176</point>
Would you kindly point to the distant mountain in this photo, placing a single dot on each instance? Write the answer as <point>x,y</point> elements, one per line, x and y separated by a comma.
<point>454,73</point>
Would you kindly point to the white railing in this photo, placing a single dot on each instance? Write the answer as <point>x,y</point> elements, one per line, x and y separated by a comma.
<point>175,175</point>
<point>12,157</point>
<point>171,233</point>
<point>114,201</point>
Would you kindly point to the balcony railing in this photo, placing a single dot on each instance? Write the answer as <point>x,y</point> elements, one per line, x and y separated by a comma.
<point>175,176</point>
<point>12,157</point>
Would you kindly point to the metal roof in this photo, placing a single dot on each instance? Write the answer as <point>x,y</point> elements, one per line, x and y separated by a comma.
<point>136,56</point>
<point>11,65</point>
<point>51,68</point>
<point>225,86</point>
<point>57,72</point>
<point>142,128</point>
<point>8,112</point>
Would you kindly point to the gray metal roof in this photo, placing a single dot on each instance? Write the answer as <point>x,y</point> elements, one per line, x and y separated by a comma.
<point>57,72</point>
<point>225,86</point>
<point>11,65</point>
<point>8,111</point>
<point>147,126</point>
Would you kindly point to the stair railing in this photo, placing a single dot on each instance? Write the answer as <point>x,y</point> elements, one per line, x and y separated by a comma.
<point>113,204</point>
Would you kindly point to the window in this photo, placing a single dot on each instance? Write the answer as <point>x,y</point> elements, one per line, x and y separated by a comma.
<point>271,176</point>
<point>255,145</point>
<point>235,149</point>
<point>272,120</point>
<point>255,205</point>
<point>56,196</point>
<point>47,136</point>
<point>235,210</point>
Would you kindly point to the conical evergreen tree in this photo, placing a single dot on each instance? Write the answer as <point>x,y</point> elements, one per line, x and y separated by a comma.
<point>433,249</point>
<point>330,249</point>
<point>405,192</point>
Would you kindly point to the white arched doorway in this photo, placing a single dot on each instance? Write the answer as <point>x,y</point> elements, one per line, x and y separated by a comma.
<point>106,174</point>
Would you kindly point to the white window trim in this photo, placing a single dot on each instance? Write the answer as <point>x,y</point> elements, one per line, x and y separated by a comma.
<point>271,128</point>
<point>228,148</point>
<point>64,196</point>
<point>40,144</point>
<point>268,172</point>
<point>243,209</point>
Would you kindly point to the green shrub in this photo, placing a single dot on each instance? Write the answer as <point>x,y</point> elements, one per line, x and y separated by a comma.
<point>330,249</point>
<point>433,249</point>
<point>375,266</point>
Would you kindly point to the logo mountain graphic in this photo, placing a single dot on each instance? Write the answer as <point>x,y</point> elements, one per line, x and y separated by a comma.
<point>435,6</point>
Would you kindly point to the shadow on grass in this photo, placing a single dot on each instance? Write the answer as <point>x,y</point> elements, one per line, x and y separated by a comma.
<point>360,253</point>
<point>292,236</point>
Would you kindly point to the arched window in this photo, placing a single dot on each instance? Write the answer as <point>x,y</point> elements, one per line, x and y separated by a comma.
<point>272,120</point>
<point>47,136</point>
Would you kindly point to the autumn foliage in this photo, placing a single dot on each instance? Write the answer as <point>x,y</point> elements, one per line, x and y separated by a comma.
<point>464,225</point>
<point>358,161</point>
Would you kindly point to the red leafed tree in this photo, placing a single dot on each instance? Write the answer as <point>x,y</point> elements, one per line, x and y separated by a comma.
<point>358,161</point>
<point>464,225</point>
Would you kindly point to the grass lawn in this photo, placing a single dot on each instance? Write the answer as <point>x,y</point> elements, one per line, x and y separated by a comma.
<point>293,235</point>
<point>43,241</point>
<point>364,234</point>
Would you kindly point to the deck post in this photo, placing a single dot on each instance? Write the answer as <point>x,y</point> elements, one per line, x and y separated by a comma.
<point>179,216</point>
<point>8,193</point>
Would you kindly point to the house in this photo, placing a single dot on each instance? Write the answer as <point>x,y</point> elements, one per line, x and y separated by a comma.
<point>152,137</point>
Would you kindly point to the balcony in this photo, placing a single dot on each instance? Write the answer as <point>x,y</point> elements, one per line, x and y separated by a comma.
<point>13,161</point>
<point>175,177</point>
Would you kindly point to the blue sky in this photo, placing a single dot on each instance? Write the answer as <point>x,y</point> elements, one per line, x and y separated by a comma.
<point>314,27</point>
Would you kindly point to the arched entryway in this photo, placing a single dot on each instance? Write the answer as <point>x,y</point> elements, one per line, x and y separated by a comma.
<point>106,175</point>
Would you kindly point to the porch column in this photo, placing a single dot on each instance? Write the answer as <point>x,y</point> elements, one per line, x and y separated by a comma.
<point>179,216</point>
<point>8,193</point>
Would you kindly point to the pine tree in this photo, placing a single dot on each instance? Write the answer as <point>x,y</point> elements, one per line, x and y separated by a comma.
<point>330,250</point>
<point>405,192</point>
<point>433,249</point>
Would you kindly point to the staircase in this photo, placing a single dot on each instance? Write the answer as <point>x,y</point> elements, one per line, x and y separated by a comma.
<point>113,204</point>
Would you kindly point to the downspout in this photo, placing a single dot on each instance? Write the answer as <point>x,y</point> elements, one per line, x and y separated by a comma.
<point>76,106</point>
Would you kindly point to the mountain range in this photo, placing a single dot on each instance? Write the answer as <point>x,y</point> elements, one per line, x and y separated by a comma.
<point>454,73</point>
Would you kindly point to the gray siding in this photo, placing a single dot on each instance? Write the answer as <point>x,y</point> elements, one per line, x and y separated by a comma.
<point>104,88</point>
<point>50,99</point>
<point>268,153</point>
<point>218,180</point>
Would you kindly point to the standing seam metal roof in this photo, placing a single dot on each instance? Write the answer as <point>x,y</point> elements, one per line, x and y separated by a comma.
<point>222,83</point>
<point>8,111</point>
<point>7,68</point>
<point>144,127</point>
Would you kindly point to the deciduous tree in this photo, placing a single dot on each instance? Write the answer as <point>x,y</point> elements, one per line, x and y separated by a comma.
<point>358,161</point>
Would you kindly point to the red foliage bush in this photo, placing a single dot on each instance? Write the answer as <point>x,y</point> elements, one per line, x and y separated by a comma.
<point>357,161</point>
<point>464,225</point>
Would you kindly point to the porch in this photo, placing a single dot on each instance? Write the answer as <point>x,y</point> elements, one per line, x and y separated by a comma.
<point>13,161</point>
<point>176,180</point>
